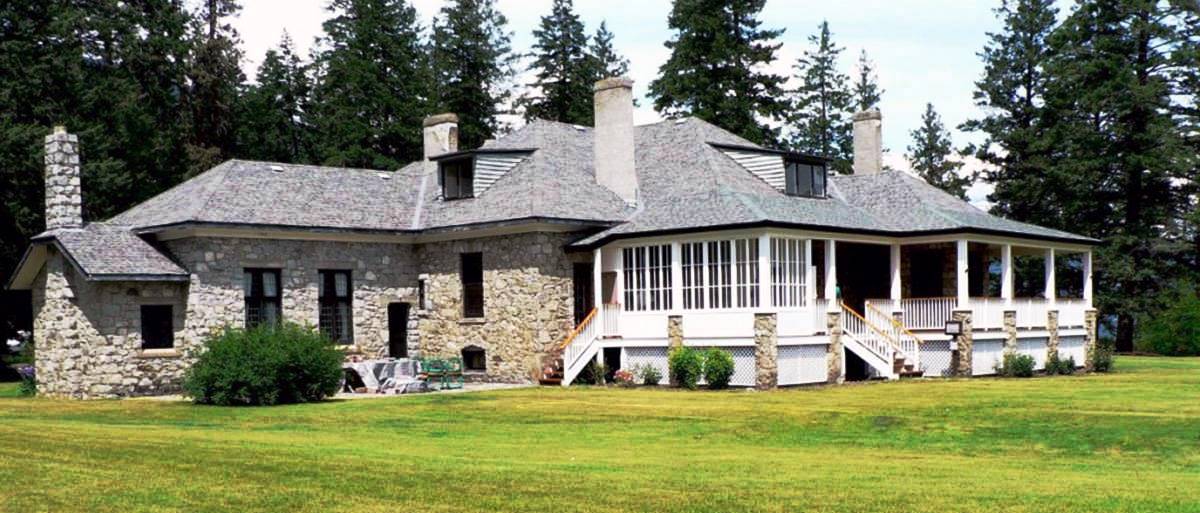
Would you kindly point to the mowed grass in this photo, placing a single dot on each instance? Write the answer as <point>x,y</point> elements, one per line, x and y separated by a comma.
<point>1126,441</point>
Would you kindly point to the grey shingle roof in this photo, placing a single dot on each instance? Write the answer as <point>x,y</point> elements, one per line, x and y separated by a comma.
<point>106,251</point>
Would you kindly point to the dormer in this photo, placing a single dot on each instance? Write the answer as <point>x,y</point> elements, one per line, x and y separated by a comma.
<point>467,174</point>
<point>791,173</point>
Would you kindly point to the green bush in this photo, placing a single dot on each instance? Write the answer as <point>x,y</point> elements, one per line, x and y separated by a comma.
<point>1174,328</point>
<point>264,366</point>
<point>686,365</point>
<point>1054,365</point>
<point>1102,356</point>
<point>1017,365</point>
<point>718,367</point>
<point>648,374</point>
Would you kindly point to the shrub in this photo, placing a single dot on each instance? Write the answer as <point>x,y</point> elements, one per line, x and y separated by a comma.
<point>1017,365</point>
<point>718,367</point>
<point>264,366</point>
<point>28,387</point>
<point>648,374</point>
<point>1102,356</point>
<point>685,365</point>
<point>1054,365</point>
<point>599,370</point>
<point>624,378</point>
<point>1173,329</point>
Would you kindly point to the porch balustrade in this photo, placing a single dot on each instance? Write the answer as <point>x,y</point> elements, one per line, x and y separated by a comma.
<point>611,314</point>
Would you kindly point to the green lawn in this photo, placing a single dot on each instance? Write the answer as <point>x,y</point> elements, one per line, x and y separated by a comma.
<point>1127,441</point>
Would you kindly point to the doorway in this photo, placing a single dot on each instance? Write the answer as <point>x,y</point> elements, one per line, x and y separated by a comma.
<point>863,273</point>
<point>398,330</point>
<point>584,288</point>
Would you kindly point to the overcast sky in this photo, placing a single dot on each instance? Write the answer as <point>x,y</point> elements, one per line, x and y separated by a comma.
<point>924,50</point>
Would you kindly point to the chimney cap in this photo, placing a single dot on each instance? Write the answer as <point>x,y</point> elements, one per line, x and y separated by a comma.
<point>60,129</point>
<point>439,119</point>
<point>871,113</point>
<point>612,83</point>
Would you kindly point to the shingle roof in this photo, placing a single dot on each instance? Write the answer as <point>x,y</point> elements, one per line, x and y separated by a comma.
<point>106,251</point>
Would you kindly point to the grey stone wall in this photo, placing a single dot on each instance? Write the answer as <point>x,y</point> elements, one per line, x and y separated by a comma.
<point>89,335</point>
<point>833,323</point>
<point>766,351</point>
<point>960,363</point>
<point>527,301</point>
<point>64,201</point>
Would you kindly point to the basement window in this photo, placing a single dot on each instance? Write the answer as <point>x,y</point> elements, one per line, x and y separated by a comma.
<point>474,359</point>
<point>804,178</point>
<point>458,178</point>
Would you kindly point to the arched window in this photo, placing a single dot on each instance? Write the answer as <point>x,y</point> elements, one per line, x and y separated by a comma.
<point>474,358</point>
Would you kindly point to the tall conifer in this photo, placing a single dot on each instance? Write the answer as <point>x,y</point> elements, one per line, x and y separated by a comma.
<point>472,66</point>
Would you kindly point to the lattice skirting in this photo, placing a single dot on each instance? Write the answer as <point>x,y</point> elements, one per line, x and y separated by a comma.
<point>986,356</point>
<point>653,356</point>
<point>803,364</point>
<point>1072,347</point>
<point>1035,347</point>
<point>744,366</point>
<point>935,358</point>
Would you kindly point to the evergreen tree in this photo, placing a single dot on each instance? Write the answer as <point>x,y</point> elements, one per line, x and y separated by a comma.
<point>472,64</point>
<point>866,88</point>
<point>273,119</point>
<point>929,155</point>
<point>373,85</point>
<point>608,62</point>
<point>563,69</point>
<point>715,71</point>
<point>821,117</point>
<point>215,74</point>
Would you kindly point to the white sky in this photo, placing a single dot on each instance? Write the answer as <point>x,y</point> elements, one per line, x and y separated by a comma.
<point>924,50</point>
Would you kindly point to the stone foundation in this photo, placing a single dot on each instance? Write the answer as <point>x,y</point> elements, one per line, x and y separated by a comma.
<point>960,362</point>
<point>1010,331</point>
<point>674,331</point>
<point>833,323</point>
<point>766,351</point>
<point>1089,337</point>
<point>1052,329</point>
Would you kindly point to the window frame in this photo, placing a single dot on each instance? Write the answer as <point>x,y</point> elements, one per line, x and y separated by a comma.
<point>646,273</point>
<point>465,189</point>
<point>795,169</point>
<point>150,342</point>
<point>473,306</point>
<point>256,296</point>
<point>328,297</point>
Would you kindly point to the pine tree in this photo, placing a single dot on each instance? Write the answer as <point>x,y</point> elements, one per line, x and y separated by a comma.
<point>563,69</point>
<point>273,116</point>
<point>216,76</point>
<point>472,65</point>
<point>866,88</point>
<point>929,155</point>
<point>715,71</point>
<point>607,61</point>
<point>821,117</point>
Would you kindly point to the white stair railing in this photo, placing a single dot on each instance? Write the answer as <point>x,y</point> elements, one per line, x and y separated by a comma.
<point>907,343</point>
<point>921,313</point>
<point>579,347</point>
<point>881,353</point>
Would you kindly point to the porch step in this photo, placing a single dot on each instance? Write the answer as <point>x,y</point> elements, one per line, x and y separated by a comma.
<point>552,370</point>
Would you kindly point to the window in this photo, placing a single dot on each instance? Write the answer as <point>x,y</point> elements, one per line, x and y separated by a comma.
<point>647,271</point>
<point>747,272</point>
<point>261,290</point>
<point>471,274</point>
<point>421,294</point>
<point>333,294</point>
<point>474,359</point>
<point>788,265</point>
<point>458,178</point>
<point>804,179</point>
<point>158,327</point>
<point>720,274</point>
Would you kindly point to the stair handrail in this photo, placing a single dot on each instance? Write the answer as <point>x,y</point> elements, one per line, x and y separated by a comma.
<point>902,330</point>
<point>578,329</point>
<point>888,342</point>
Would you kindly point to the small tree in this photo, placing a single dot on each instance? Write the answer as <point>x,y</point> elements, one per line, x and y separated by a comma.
<point>1174,329</point>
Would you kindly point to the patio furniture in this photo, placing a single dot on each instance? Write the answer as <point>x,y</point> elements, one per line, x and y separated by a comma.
<point>452,375</point>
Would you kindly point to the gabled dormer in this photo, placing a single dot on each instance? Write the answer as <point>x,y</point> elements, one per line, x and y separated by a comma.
<point>467,174</point>
<point>791,173</point>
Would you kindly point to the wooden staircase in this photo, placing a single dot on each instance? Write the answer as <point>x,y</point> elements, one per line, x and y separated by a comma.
<point>562,364</point>
<point>552,369</point>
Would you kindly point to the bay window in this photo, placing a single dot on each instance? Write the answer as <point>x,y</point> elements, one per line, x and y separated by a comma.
<point>720,274</point>
<point>647,278</point>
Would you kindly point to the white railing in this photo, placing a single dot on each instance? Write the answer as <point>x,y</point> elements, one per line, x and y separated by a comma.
<point>1031,312</point>
<point>906,342</point>
<point>579,347</point>
<point>1071,312</point>
<point>611,314</point>
<point>870,336</point>
<point>922,313</point>
<point>987,313</point>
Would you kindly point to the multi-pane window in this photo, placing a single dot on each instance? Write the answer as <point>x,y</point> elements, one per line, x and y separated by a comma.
<point>788,265</point>
<point>333,294</point>
<point>471,274</point>
<point>804,179</point>
<point>158,327</point>
<point>720,274</point>
<point>458,178</point>
<point>647,271</point>
<point>260,287</point>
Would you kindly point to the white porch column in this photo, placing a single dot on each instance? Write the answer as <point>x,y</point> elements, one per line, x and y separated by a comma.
<point>598,280</point>
<point>831,276</point>
<point>896,285</point>
<point>1087,278</point>
<point>1051,287</point>
<point>764,272</point>
<point>1006,274</point>
<point>810,274</point>
<point>964,295</point>
<point>676,276</point>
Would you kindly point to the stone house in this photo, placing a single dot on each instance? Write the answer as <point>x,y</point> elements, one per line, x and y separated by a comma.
<point>613,242</point>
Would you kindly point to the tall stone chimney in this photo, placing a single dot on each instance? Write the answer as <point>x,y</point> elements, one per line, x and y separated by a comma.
<point>868,142</point>
<point>612,145</point>
<point>64,200</point>
<point>440,132</point>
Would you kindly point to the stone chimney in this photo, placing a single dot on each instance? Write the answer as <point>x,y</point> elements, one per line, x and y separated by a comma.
<point>64,201</point>
<point>440,132</point>
<point>868,142</point>
<point>612,140</point>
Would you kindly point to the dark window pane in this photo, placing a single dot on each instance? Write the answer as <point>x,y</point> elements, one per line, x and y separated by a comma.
<point>335,318</point>
<point>819,181</point>
<point>262,291</point>
<point>804,185</point>
<point>790,177</point>
<point>158,327</point>
<point>471,274</point>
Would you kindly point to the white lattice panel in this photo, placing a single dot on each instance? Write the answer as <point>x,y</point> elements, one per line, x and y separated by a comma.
<point>744,367</point>
<point>1035,347</point>
<point>803,364</point>
<point>653,356</point>
<point>986,356</point>
<point>1072,347</point>
<point>935,358</point>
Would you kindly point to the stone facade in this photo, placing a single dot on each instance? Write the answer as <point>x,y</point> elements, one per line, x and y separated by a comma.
<point>833,325</point>
<point>1089,337</point>
<point>960,362</point>
<point>1010,331</point>
<point>64,200</point>
<point>674,331</point>
<point>766,351</point>
<point>1052,330</point>
<point>88,334</point>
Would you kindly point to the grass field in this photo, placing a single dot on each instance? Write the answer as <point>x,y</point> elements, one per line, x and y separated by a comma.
<point>1127,441</point>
